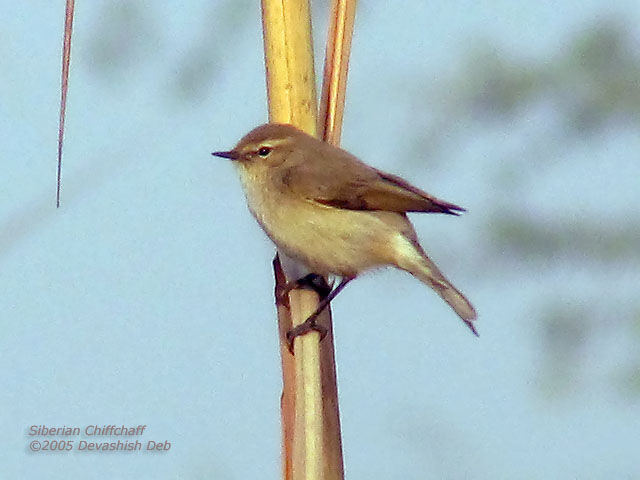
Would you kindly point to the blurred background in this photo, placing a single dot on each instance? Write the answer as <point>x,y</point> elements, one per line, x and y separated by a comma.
<point>147,297</point>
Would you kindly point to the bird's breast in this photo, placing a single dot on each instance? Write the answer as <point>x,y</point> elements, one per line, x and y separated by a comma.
<point>327,240</point>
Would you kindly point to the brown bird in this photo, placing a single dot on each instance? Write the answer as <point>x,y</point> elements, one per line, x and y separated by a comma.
<point>334,214</point>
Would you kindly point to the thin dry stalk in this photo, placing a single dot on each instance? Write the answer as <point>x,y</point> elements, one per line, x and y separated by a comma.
<point>312,447</point>
<point>292,99</point>
<point>66,58</point>
<point>336,67</point>
<point>334,85</point>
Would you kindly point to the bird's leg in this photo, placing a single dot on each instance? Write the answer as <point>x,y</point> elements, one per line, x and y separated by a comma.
<point>310,325</point>
<point>313,281</point>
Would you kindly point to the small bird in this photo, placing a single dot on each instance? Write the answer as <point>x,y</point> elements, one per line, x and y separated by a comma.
<point>335,214</point>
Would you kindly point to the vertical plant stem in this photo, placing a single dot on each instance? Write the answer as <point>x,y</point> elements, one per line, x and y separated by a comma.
<point>292,99</point>
<point>312,447</point>
<point>334,85</point>
<point>336,67</point>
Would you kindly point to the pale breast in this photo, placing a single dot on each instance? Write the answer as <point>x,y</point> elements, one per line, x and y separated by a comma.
<point>326,239</point>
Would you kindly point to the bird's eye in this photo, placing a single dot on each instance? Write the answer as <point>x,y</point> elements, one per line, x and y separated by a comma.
<point>264,151</point>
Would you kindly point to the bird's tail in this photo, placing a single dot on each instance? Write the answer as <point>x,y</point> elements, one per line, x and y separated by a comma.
<point>421,267</point>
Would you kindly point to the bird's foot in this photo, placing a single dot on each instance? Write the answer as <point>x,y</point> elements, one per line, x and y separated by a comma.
<point>309,325</point>
<point>312,281</point>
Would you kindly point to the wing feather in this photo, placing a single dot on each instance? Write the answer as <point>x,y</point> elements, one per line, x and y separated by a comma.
<point>343,181</point>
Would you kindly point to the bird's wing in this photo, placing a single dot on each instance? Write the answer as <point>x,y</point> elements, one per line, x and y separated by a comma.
<point>358,186</point>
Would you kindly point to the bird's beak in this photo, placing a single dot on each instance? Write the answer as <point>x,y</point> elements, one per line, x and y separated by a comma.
<point>231,155</point>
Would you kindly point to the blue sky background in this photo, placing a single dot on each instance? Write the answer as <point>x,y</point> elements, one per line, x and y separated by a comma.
<point>147,298</point>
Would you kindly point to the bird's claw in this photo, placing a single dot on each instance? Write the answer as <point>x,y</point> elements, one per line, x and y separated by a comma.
<point>313,281</point>
<point>309,325</point>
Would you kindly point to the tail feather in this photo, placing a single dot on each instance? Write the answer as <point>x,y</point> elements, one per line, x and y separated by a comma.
<point>427,272</point>
<point>457,301</point>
